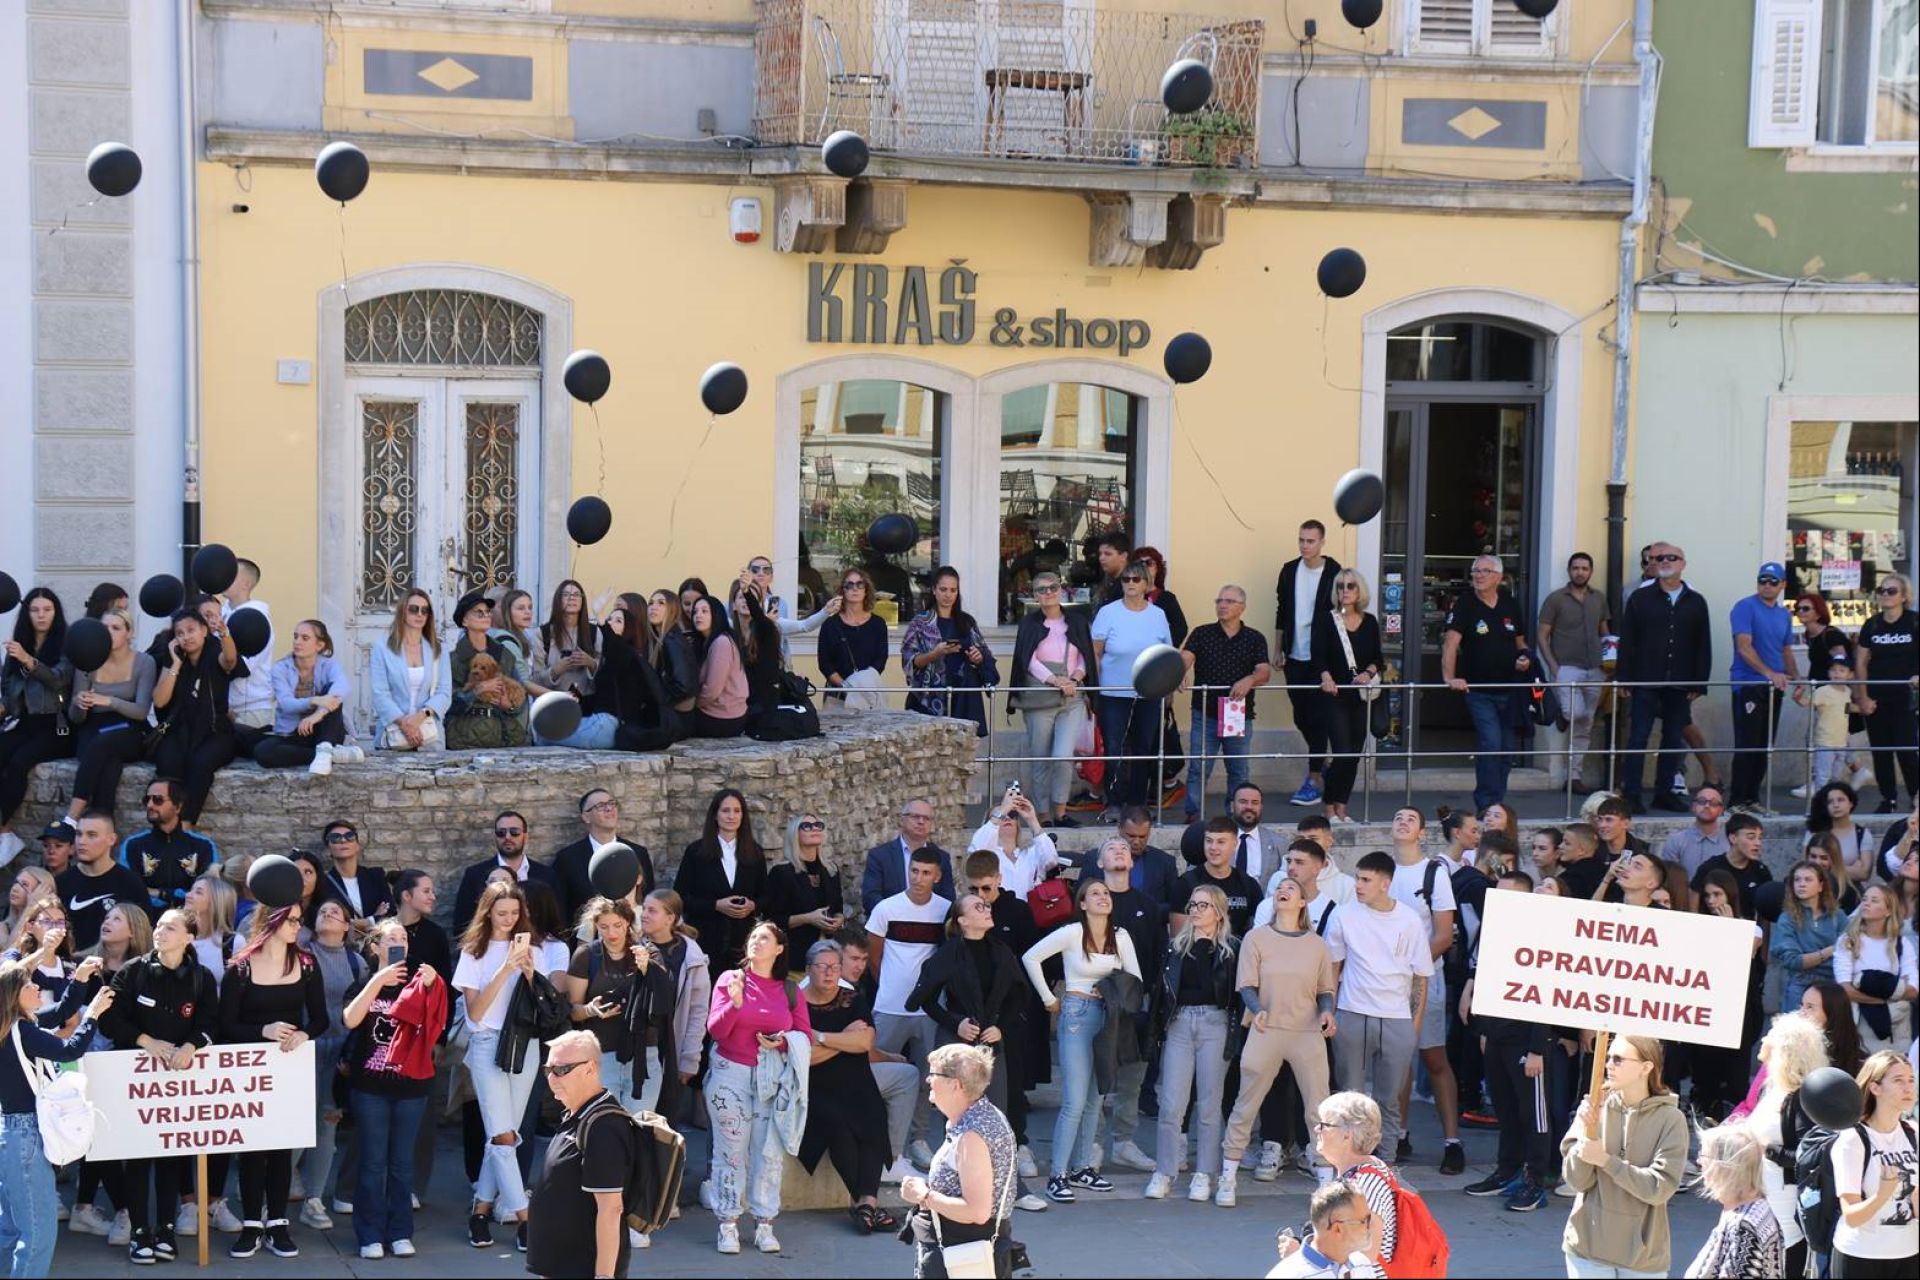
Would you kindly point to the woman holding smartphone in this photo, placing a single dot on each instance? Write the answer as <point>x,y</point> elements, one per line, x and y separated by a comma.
<point>495,953</point>
<point>803,892</point>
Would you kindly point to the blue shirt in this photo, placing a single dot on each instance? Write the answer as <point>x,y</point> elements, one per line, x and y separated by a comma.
<point>1769,626</point>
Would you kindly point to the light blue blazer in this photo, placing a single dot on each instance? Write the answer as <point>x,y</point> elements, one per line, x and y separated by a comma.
<point>387,674</point>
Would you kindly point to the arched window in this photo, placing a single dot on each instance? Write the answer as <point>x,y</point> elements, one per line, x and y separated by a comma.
<point>444,329</point>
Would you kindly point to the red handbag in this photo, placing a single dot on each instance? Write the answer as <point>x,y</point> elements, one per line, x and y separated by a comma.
<point>1052,903</point>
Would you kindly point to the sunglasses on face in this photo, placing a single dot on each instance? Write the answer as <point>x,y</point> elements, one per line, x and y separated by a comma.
<point>1768,582</point>
<point>507,833</point>
<point>1803,608</point>
<point>811,825</point>
<point>561,1069</point>
<point>341,837</point>
<point>1614,1059</point>
<point>1051,589</point>
<point>1132,577</point>
<point>419,610</point>
<point>761,567</point>
<point>1889,591</point>
<point>154,799</point>
<point>1662,559</point>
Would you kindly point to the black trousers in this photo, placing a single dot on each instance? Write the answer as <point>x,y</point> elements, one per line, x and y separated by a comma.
<point>1847,1267</point>
<point>1527,1132</point>
<point>266,1178</point>
<point>1463,1052</point>
<point>153,1190</point>
<point>194,761</point>
<point>35,740</point>
<point>1674,712</point>
<point>1756,715</point>
<point>1890,732</point>
<point>1309,712</point>
<point>1346,718</point>
<point>108,743</point>
<point>293,751</point>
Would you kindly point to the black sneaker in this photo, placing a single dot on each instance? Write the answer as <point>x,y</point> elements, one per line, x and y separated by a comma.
<point>1453,1159</point>
<point>247,1243</point>
<point>520,1237</point>
<point>479,1231</point>
<point>1403,1150</point>
<point>163,1244</point>
<point>1059,1190</point>
<point>140,1249</point>
<point>280,1240</point>
<point>1529,1197</point>
<point>1492,1185</point>
<point>1886,806</point>
<point>1065,823</point>
<point>1089,1179</point>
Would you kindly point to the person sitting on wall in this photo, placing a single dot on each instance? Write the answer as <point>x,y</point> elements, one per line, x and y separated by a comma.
<point>485,711</point>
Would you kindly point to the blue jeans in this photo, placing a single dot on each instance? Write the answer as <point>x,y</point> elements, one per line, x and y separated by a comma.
<point>1674,711</point>
<point>383,1190</point>
<point>594,734</point>
<point>1204,746</point>
<point>28,1202</point>
<point>503,1104</point>
<point>1494,743</point>
<point>1080,1021</point>
<point>319,1165</point>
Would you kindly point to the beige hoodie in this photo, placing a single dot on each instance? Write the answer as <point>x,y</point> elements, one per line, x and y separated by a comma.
<point>1619,1218</point>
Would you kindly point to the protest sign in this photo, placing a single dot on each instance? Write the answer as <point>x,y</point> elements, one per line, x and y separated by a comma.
<point>234,1097</point>
<point>1673,975</point>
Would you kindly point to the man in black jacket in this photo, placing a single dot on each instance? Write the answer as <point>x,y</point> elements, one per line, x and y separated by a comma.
<point>601,812</point>
<point>1305,589</point>
<point>1666,634</point>
<point>510,851</point>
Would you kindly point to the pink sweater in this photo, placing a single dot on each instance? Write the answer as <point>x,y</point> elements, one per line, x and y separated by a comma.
<point>723,681</point>
<point>763,1009</point>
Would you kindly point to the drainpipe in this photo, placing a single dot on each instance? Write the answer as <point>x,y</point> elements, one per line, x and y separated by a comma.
<point>1649,62</point>
<point>189,293</point>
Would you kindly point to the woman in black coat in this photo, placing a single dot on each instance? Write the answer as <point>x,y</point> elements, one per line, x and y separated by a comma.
<point>723,907</point>
<point>972,987</point>
<point>628,688</point>
<point>1341,681</point>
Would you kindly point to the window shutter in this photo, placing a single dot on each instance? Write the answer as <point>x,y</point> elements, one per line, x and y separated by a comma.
<point>1443,26</point>
<point>1786,73</point>
<point>1513,33</point>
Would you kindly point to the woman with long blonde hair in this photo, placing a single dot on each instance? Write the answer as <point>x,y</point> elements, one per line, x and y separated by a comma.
<point>804,895</point>
<point>1874,965</point>
<point>1191,1010</point>
<point>1794,1048</point>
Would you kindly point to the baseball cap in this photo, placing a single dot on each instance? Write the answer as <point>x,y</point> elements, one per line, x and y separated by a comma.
<point>57,831</point>
<point>1772,569</point>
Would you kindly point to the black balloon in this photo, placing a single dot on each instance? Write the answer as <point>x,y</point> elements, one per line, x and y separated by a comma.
<point>342,170</point>
<point>1358,496</point>
<point>214,568</point>
<point>845,154</point>
<point>9,593</point>
<point>893,534</point>
<point>1360,14</point>
<point>1769,900</point>
<point>1188,357</point>
<point>88,643</point>
<point>1186,86</point>
<point>587,376</point>
<point>1341,273</point>
<point>723,388</point>
<point>161,594</point>
<point>1158,671</point>
<point>274,881</point>
<point>556,714</point>
<point>1536,8</point>
<point>250,630</point>
<point>1831,1098</point>
<point>614,870</point>
<point>588,520</point>
<point>113,168</point>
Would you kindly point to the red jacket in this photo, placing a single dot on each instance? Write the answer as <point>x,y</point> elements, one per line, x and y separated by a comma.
<point>419,1015</point>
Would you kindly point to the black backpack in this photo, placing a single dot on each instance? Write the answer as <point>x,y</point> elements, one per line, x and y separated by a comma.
<point>792,715</point>
<point>1813,1171</point>
<point>654,1175</point>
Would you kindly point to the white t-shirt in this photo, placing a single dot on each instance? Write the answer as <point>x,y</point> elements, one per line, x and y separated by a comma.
<point>1894,1232</point>
<point>1381,952</point>
<point>910,933</point>
<point>1408,882</point>
<point>1875,953</point>
<point>1306,597</point>
<point>1126,633</point>
<point>472,974</point>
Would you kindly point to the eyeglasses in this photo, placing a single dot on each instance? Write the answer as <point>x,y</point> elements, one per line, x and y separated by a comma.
<point>1321,1126</point>
<point>1663,559</point>
<point>602,806</point>
<point>1354,586</point>
<point>1228,600</point>
<point>1615,1058</point>
<point>1196,905</point>
<point>503,833</point>
<point>811,825</point>
<point>1768,582</point>
<point>980,906</point>
<point>1708,802</point>
<point>342,837</point>
<point>1364,1220</point>
<point>942,1075</point>
<point>420,610</point>
<point>559,1070</point>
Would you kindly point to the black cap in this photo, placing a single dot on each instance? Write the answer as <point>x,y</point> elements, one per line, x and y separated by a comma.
<point>467,602</point>
<point>58,831</point>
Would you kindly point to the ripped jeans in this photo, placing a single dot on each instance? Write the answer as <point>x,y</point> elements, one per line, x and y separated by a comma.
<point>747,1156</point>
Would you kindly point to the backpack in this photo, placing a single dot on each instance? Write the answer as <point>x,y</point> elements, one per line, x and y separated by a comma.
<point>1813,1170</point>
<point>1420,1247</point>
<point>653,1178</point>
<point>65,1112</point>
<point>792,715</point>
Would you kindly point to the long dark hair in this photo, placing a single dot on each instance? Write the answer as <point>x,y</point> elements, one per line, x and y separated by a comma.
<point>264,925</point>
<point>48,652</point>
<point>760,631</point>
<point>580,628</point>
<point>103,598</point>
<point>722,626</point>
<point>1844,1049</point>
<point>963,623</point>
<point>745,846</point>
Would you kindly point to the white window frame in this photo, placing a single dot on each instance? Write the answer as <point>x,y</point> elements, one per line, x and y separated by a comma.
<point>1802,22</point>
<point>1785,410</point>
<point>1480,44</point>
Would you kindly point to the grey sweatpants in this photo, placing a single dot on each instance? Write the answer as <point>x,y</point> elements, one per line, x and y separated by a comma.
<point>1372,1056</point>
<point>914,1035</point>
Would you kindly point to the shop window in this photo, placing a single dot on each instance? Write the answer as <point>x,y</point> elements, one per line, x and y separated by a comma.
<point>1851,511</point>
<point>868,448</point>
<point>1067,475</point>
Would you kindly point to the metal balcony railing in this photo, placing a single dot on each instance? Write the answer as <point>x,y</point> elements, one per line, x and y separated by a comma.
<point>1026,79</point>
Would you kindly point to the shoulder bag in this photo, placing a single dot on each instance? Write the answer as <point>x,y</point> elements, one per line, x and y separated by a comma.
<point>61,1104</point>
<point>974,1259</point>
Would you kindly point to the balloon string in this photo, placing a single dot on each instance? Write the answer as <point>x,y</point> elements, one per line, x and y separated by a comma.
<point>600,440</point>
<point>343,246</point>
<point>1188,437</point>
<point>1326,305</point>
<point>674,507</point>
<point>69,213</point>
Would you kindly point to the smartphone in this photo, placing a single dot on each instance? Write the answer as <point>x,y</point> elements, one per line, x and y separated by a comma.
<point>396,954</point>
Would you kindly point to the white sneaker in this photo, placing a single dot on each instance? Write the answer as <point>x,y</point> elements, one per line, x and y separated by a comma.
<point>706,1192</point>
<point>11,847</point>
<point>635,1240</point>
<point>1030,1203</point>
<point>1564,1190</point>
<point>225,1220</point>
<point>372,1251</point>
<point>121,1232</point>
<point>314,1214</point>
<point>729,1241</point>
<point>322,766</point>
<point>1801,792</point>
<point>1322,1175</point>
<point>1269,1167</point>
<point>920,1154</point>
<point>88,1221</point>
<point>897,1171</point>
<point>416,1207</point>
<point>403,1249</point>
<point>1862,778</point>
<point>1029,1167</point>
<point>1227,1194</point>
<point>187,1221</point>
<point>1200,1190</point>
<point>350,753</point>
<point>763,1238</point>
<point>1129,1156</point>
<point>1158,1186</point>
<point>344,1206</point>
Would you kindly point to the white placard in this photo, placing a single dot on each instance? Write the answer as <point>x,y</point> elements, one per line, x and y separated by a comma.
<point>234,1097</point>
<point>1674,975</point>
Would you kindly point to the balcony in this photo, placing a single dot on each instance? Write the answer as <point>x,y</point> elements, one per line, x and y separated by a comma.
<point>1003,80</point>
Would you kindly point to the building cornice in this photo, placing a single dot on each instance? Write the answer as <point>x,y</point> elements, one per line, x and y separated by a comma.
<point>1892,299</point>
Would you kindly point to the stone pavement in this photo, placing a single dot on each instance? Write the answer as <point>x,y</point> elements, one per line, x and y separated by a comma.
<point>1113,1235</point>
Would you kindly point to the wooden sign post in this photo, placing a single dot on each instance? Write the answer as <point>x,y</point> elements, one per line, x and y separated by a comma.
<point>1597,1089</point>
<point>200,1183</point>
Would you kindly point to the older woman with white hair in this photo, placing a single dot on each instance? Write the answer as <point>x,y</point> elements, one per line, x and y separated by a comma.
<point>967,1195</point>
<point>1026,852</point>
<point>1793,1049</point>
<point>1347,1131</point>
<point>1745,1242</point>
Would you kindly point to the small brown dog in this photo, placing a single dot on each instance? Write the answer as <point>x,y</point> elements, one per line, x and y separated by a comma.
<point>487,685</point>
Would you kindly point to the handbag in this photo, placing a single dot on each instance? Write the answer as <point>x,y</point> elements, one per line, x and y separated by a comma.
<point>1367,692</point>
<point>429,727</point>
<point>1039,697</point>
<point>974,1259</point>
<point>65,1113</point>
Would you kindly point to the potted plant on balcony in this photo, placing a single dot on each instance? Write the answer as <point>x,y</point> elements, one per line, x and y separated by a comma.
<point>1210,138</point>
